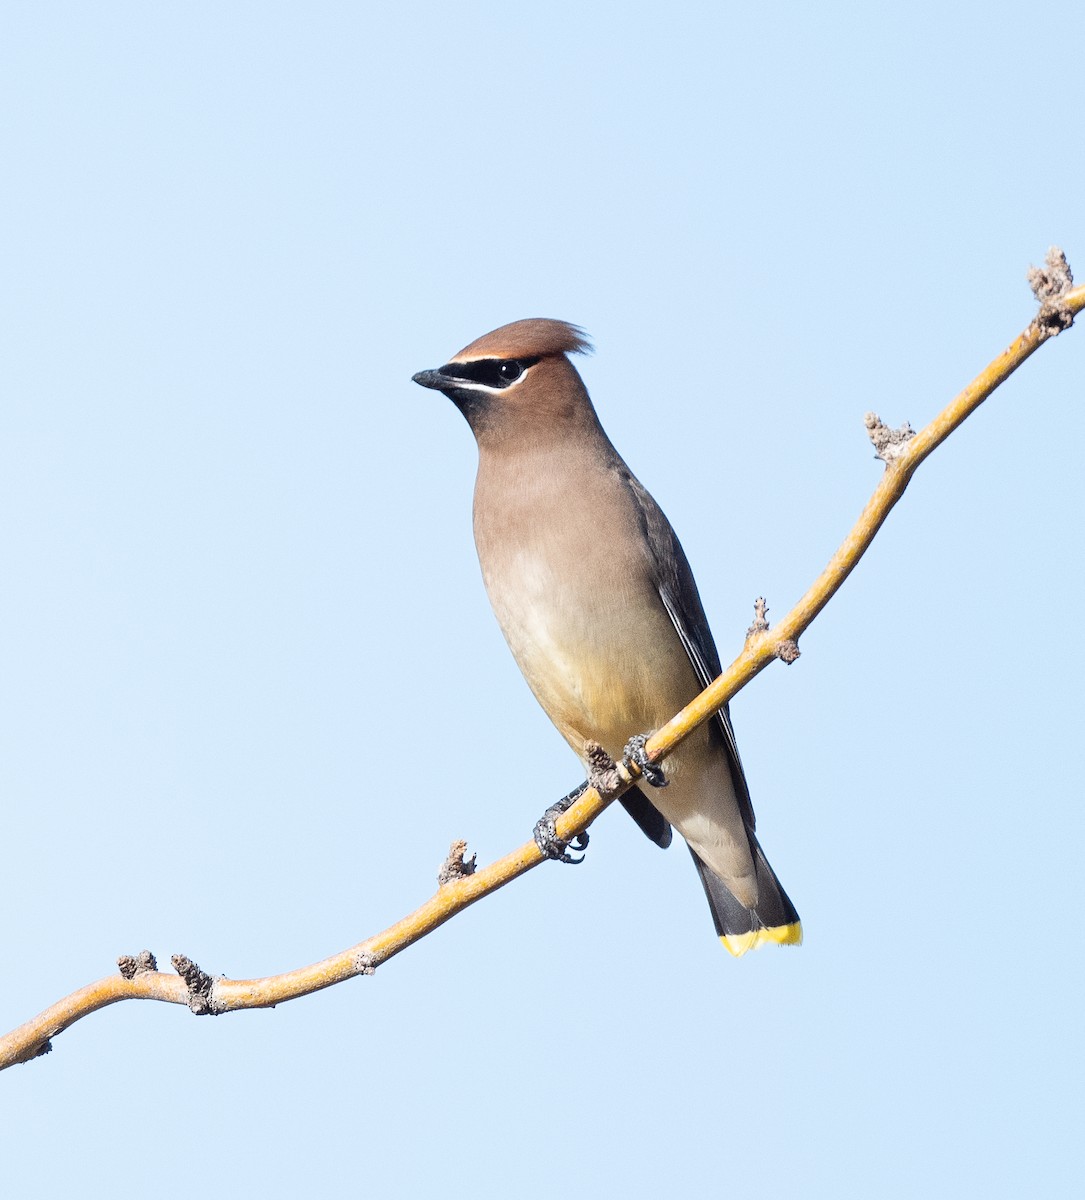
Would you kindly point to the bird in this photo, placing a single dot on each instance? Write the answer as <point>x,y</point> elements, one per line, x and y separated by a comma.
<point>598,604</point>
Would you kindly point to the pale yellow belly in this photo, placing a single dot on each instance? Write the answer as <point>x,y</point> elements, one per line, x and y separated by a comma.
<point>604,663</point>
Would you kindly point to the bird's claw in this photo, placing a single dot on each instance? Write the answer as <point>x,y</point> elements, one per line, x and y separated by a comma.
<point>546,836</point>
<point>651,772</point>
<point>551,846</point>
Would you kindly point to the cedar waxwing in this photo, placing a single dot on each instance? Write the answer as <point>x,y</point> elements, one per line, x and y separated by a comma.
<point>599,607</point>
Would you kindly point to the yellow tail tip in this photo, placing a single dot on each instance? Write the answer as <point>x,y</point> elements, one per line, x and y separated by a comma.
<point>779,935</point>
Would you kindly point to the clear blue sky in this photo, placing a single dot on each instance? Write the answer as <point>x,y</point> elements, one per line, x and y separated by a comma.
<point>250,684</point>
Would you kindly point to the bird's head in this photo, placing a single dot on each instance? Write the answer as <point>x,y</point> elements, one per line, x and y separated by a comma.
<point>515,377</point>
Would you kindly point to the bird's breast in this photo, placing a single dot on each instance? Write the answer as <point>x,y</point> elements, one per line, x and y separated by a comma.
<point>588,631</point>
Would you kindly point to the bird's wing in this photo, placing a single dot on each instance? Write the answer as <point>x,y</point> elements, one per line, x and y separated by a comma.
<point>678,591</point>
<point>650,821</point>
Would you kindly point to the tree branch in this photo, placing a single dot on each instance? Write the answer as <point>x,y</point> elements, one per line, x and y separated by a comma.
<point>460,884</point>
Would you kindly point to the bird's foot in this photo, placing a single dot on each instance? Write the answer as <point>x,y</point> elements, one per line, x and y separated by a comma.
<point>651,772</point>
<point>546,835</point>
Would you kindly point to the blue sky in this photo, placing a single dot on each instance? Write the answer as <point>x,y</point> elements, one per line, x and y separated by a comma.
<point>250,684</point>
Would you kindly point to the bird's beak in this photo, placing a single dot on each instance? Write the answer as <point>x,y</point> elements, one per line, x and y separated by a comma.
<point>432,379</point>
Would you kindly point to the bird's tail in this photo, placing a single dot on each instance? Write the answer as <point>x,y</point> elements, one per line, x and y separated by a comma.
<point>772,919</point>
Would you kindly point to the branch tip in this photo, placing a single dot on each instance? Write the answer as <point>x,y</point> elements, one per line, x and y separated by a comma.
<point>131,967</point>
<point>1049,284</point>
<point>760,617</point>
<point>603,773</point>
<point>455,865</point>
<point>787,651</point>
<point>889,444</point>
<point>198,982</point>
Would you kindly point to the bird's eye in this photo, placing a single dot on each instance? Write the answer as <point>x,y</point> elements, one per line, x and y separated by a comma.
<point>490,372</point>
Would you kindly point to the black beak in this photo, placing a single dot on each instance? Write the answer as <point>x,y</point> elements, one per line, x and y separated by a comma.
<point>432,379</point>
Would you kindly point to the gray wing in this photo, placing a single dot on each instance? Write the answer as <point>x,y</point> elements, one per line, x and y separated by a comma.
<point>678,591</point>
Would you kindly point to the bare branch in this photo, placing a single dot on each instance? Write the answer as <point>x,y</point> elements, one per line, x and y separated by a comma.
<point>460,883</point>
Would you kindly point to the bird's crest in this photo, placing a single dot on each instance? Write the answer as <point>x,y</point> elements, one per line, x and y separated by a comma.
<point>537,337</point>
